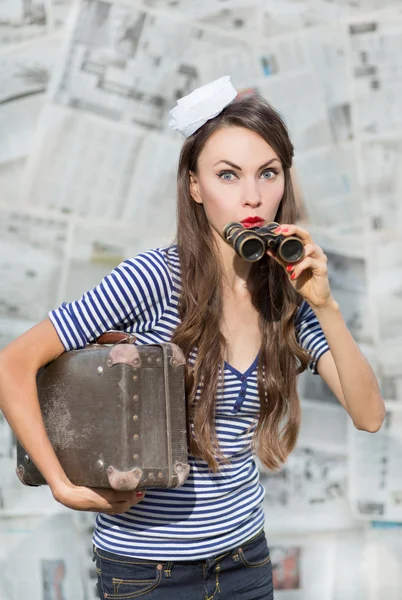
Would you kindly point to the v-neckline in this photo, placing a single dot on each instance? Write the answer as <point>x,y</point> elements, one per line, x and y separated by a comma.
<point>246,373</point>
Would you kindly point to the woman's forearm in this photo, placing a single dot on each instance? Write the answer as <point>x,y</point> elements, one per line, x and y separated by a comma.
<point>359,384</point>
<point>20,406</point>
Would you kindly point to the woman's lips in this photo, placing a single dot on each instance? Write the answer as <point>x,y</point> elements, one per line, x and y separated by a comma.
<point>252,222</point>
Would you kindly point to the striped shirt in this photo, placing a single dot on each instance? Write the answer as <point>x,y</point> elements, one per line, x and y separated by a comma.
<point>211,512</point>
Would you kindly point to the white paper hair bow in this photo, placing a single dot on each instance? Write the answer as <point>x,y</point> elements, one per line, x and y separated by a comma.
<point>204,103</point>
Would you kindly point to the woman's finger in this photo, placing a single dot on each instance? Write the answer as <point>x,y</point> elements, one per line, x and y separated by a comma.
<point>316,265</point>
<point>291,229</point>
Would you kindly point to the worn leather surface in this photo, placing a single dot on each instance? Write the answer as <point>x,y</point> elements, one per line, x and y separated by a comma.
<point>113,425</point>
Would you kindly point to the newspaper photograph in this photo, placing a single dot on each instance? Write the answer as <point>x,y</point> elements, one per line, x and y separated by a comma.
<point>24,75</point>
<point>45,562</point>
<point>286,16</point>
<point>385,278</point>
<point>11,174</point>
<point>129,65</point>
<point>151,196</point>
<point>328,176</point>
<point>12,328</point>
<point>377,74</point>
<point>81,164</point>
<point>25,70</point>
<point>309,494</point>
<point>391,386</point>
<point>18,120</point>
<point>31,259</point>
<point>252,65</point>
<point>307,119</point>
<point>87,166</point>
<point>326,48</point>
<point>381,163</point>
<point>244,20</point>
<point>302,566</point>
<point>21,20</point>
<point>385,546</point>
<point>313,387</point>
<point>375,479</point>
<point>349,279</point>
<point>197,10</point>
<point>352,562</point>
<point>95,250</point>
<point>7,440</point>
<point>17,499</point>
<point>84,523</point>
<point>58,13</point>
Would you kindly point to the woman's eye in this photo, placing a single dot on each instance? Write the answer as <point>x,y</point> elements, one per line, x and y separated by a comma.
<point>226,175</point>
<point>269,174</point>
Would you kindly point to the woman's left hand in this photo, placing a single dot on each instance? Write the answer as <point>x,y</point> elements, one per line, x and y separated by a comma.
<point>308,276</point>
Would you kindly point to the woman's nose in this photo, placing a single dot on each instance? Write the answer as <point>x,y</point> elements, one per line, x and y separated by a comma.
<point>252,196</point>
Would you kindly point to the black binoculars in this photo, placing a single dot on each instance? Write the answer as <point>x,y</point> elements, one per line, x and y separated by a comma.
<point>251,243</point>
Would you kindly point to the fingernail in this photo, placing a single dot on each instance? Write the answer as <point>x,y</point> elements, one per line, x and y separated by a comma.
<point>289,267</point>
<point>139,494</point>
<point>285,229</point>
<point>277,229</point>
<point>293,275</point>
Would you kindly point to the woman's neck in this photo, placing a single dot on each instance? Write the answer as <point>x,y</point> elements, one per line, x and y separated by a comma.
<point>235,270</point>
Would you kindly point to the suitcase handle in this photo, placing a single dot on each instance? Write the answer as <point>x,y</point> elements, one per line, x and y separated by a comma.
<point>116,337</point>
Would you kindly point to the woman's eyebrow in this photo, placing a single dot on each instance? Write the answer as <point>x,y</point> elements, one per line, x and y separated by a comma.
<point>228,162</point>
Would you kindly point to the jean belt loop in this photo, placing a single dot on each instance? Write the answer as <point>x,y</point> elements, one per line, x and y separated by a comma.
<point>168,569</point>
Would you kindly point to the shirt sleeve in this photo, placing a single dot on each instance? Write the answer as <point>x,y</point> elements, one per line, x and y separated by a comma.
<point>132,298</point>
<point>310,335</point>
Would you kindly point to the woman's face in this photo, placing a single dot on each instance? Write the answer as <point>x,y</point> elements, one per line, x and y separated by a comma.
<point>238,176</point>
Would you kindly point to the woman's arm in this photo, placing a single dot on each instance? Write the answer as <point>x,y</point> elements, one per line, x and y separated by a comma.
<point>19,364</point>
<point>347,372</point>
<point>344,368</point>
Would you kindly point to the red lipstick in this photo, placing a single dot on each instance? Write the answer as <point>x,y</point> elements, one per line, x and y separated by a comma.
<point>252,222</point>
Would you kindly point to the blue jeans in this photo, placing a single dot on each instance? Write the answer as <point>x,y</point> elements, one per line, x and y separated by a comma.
<point>239,574</point>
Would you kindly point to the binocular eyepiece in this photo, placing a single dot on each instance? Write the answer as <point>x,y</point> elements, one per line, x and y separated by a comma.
<point>253,242</point>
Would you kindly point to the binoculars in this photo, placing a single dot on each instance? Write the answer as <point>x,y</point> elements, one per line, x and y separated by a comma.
<point>251,243</point>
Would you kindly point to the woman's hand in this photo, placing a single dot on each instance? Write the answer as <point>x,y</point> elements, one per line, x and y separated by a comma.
<point>308,276</point>
<point>95,499</point>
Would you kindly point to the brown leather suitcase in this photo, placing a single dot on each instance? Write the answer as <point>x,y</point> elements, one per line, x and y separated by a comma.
<point>115,415</point>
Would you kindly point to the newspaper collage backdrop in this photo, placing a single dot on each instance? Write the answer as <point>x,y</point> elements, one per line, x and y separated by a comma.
<point>87,178</point>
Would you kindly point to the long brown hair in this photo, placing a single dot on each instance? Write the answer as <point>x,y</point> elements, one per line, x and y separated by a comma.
<point>281,358</point>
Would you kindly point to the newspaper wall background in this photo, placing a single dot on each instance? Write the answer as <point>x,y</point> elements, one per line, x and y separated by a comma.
<point>87,177</point>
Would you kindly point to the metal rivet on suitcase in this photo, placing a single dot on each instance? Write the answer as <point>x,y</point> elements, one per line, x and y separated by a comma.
<point>27,460</point>
<point>135,398</point>
<point>151,475</point>
<point>136,436</point>
<point>135,377</point>
<point>135,417</point>
<point>136,456</point>
<point>99,370</point>
<point>100,464</point>
<point>158,360</point>
<point>150,359</point>
<point>160,475</point>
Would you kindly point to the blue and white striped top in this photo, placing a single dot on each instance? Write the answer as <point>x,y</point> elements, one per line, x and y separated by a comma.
<point>211,512</point>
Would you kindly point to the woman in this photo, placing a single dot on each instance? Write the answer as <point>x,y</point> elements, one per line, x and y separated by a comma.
<point>247,330</point>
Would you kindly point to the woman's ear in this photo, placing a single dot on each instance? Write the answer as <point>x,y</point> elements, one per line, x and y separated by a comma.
<point>194,188</point>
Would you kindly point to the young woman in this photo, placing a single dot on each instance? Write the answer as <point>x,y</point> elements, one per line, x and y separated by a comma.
<point>247,330</point>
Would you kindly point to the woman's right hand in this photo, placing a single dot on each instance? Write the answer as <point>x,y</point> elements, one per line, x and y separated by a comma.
<point>95,499</point>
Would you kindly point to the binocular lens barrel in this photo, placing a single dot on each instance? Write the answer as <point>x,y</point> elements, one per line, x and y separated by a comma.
<point>291,249</point>
<point>249,247</point>
<point>252,245</point>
